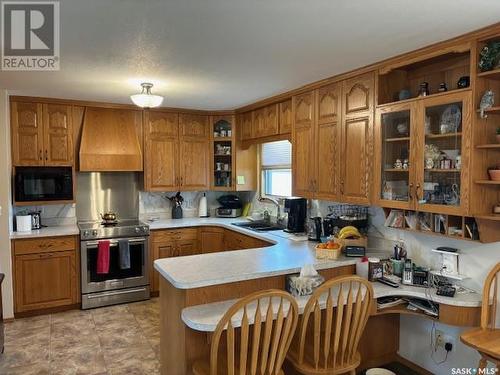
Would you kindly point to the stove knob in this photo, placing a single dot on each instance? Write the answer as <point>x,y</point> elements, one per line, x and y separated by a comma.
<point>94,233</point>
<point>85,233</point>
<point>137,229</point>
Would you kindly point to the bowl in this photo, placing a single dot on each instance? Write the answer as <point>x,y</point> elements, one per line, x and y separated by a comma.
<point>494,174</point>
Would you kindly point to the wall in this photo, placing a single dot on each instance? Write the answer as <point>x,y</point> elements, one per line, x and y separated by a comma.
<point>5,194</point>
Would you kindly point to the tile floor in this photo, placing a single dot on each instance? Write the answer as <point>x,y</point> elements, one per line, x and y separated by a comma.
<point>122,339</point>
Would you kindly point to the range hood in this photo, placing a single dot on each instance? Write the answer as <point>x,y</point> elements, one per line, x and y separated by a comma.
<point>111,140</point>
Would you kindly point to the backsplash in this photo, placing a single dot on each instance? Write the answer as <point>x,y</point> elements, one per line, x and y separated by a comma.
<point>52,214</point>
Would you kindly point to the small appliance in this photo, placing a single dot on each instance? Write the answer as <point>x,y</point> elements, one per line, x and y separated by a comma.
<point>23,223</point>
<point>32,184</point>
<point>407,272</point>
<point>314,229</point>
<point>230,206</point>
<point>355,251</point>
<point>296,208</point>
<point>36,220</point>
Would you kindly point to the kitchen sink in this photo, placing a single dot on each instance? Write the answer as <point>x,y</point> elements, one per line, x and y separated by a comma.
<point>258,226</point>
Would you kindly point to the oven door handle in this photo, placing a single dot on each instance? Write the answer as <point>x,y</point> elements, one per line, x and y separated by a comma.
<point>100,295</point>
<point>114,242</point>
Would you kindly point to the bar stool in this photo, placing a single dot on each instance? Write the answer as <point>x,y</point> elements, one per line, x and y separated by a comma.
<point>486,338</point>
<point>267,321</point>
<point>330,329</point>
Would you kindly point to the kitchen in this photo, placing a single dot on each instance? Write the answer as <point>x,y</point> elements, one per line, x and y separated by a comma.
<point>141,212</point>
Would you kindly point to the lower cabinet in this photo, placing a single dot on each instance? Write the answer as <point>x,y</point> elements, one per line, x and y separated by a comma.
<point>168,243</point>
<point>46,273</point>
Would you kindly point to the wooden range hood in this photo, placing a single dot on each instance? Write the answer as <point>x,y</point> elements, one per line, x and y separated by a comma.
<point>111,140</point>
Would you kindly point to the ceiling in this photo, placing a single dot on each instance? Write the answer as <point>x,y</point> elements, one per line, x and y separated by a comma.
<point>223,54</point>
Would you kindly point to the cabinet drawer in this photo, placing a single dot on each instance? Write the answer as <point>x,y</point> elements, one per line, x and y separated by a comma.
<point>44,245</point>
<point>175,234</point>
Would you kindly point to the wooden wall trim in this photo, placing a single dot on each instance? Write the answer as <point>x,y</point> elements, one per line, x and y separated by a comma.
<point>450,44</point>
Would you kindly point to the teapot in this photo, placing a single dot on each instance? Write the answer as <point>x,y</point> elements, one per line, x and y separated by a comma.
<point>108,216</point>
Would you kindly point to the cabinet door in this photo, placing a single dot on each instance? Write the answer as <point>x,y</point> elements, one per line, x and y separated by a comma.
<point>394,166</point>
<point>303,146</point>
<point>193,126</point>
<point>443,153</point>
<point>271,124</point>
<point>45,280</point>
<point>259,123</point>
<point>161,154</point>
<point>327,136</point>
<point>246,120</point>
<point>163,249</point>
<point>358,95</point>
<point>212,240</point>
<point>187,247</point>
<point>27,134</point>
<point>194,166</point>
<point>58,135</point>
<point>355,174</point>
<point>285,117</point>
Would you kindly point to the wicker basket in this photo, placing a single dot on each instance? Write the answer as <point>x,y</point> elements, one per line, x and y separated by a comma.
<point>330,254</point>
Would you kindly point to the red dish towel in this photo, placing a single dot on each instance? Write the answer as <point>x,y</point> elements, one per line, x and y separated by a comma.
<point>103,257</point>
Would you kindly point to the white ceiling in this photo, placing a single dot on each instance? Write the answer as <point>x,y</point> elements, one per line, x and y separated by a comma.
<point>222,54</point>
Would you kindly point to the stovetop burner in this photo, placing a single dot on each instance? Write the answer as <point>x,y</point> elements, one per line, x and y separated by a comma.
<point>92,230</point>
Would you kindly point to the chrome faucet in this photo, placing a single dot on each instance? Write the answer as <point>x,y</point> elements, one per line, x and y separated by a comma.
<point>279,218</point>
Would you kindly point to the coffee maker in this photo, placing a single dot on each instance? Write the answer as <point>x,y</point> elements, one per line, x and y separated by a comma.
<point>297,211</point>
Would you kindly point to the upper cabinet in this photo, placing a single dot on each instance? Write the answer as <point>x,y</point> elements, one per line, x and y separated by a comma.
<point>42,134</point>
<point>265,121</point>
<point>245,126</point>
<point>423,154</point>
<point>332,141</point>
<point>285,117</point>
<point>177,152</point>
<point>357,139</point>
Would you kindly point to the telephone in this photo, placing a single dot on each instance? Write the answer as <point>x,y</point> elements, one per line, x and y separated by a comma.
<point>407,272</point>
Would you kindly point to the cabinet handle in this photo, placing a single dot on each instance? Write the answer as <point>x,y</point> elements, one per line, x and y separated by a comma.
<point>46,155</point>
<point>416,191</point>
<point>182,180</point>
<point>410,194</point>
<point>40,155</point>
<point>341,186</point>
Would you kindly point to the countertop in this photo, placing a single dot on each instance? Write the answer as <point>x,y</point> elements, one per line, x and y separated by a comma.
<point>52,231</point>
<point>285,256</point>
<point>206,317</point>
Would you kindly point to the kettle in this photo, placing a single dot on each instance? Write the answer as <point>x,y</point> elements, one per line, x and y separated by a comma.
<point>314,229</point>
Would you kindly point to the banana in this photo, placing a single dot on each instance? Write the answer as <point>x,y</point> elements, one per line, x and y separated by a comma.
<point>349,232</point>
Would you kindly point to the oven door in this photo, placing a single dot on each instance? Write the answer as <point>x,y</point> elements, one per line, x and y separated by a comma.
<point>116,278</point>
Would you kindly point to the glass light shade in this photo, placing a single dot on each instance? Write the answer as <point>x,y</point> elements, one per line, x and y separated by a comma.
<point>147,100</point>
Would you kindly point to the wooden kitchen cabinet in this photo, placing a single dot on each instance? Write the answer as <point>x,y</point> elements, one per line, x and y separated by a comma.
<point>357,139</point>
<point>303,145</point>
<point>42,134</point>
<point>211,239</point>
<point>176,152</point>
<point>245,121</point>
<point>285,117</point>
<point>46,273</point>
<point>265,121</point>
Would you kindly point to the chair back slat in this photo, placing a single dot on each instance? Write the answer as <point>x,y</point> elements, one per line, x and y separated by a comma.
<point>333,321</point>
<point>255,343</point>
<point>490,299</point>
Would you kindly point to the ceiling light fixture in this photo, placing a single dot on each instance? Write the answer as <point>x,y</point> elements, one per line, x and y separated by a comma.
<point>145,99</point>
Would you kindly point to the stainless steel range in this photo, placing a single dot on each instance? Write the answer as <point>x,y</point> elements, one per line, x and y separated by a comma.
<point>114,254</point>
<point>118,284</point>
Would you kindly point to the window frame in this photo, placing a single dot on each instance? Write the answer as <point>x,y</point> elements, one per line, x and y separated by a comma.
<point>262,172</point>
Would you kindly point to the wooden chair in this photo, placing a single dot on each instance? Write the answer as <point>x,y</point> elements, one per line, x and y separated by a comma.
<point>486,338</point>
<point>334,318</point>
<point>268,322</point>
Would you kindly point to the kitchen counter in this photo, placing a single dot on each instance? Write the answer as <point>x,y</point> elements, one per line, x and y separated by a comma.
<point>285,256</point>
<point>52,231</point>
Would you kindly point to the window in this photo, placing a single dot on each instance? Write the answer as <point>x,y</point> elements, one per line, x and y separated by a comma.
<point>276,168</point>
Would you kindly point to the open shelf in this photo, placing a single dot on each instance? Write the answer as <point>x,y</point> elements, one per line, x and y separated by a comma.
<point>450,170</point>
<point>492,146</point>
<point>491,111</point>
<point>490,74</point>
<point>399,139</point>
<point>487,182</point>
<point>396,170</point>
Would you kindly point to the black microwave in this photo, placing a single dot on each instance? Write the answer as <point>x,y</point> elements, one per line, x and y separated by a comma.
<point>33,184</point>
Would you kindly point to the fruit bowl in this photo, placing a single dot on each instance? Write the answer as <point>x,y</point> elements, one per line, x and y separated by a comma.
<point>329,250</point>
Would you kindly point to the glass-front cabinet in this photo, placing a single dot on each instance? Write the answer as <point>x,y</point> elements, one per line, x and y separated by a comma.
<point>395,130</point>
<point>223,142</point>
<point>444,152</point>
<point>422,148</point>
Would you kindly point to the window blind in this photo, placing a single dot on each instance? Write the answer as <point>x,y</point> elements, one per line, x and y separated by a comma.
<point>276,154</point>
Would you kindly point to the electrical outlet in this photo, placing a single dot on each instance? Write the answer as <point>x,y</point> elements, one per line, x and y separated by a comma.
<point>442,339</point>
